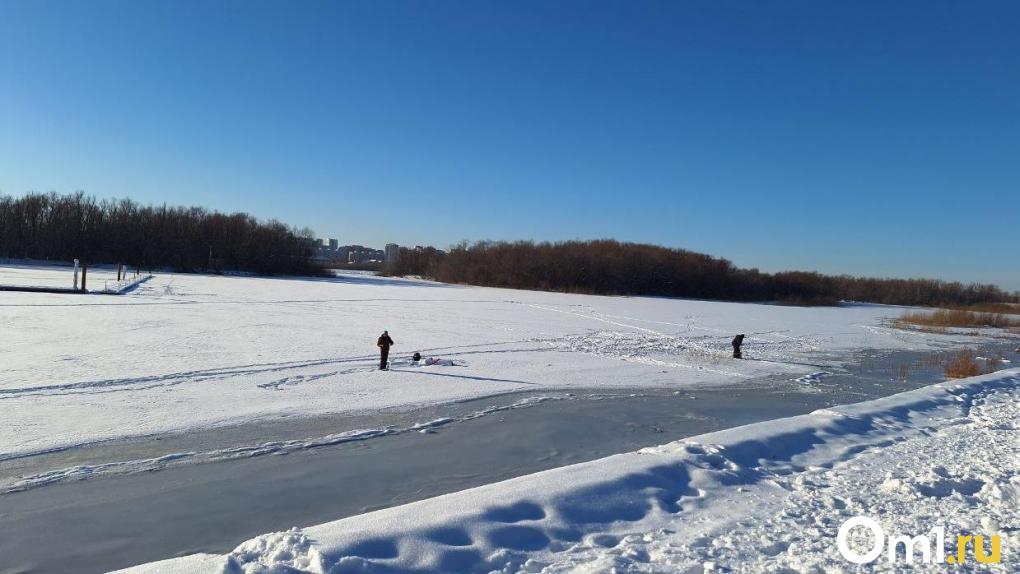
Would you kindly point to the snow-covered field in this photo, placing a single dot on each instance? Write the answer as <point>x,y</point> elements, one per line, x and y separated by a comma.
<point>767,497</point>
<point>54,276</point>
<point>183,352</point>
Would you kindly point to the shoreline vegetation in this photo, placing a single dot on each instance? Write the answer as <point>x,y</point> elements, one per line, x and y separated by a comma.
<point>960,364</point>
<point>940,320</point>
<point>609,267</point>
<point>54,227</point>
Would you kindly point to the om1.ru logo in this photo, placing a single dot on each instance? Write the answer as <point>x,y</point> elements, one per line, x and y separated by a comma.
<point>932,546</point>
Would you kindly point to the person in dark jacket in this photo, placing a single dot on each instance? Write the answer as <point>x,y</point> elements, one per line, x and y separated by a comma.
<point>737,342</point>
<point>384,343</point>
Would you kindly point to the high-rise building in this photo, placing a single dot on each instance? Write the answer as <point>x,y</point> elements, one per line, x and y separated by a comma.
<point>392,251</point>
<point>359,254</point>
<point>334,244</point>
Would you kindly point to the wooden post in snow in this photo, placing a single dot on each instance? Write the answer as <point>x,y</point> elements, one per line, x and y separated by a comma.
<point>84,272</point>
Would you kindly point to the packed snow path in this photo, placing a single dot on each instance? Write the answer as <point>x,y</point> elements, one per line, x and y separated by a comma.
<point>183,352</point>
<point>768,497</point>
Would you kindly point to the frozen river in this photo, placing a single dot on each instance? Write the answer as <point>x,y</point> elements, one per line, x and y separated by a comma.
<point>116,521</point>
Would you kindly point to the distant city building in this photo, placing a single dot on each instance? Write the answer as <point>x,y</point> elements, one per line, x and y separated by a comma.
<point>330,251</point>
<point>419,248</point>
<point>358,254</point>
<point>392,251</point>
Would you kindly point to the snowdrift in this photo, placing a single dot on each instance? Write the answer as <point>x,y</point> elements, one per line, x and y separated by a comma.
<point>666,508</point>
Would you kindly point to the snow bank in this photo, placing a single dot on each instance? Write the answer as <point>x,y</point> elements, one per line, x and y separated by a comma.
<point>767,497</point>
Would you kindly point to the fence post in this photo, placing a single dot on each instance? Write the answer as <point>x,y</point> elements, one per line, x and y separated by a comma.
<point>84,272</point>
<point>75,275</point>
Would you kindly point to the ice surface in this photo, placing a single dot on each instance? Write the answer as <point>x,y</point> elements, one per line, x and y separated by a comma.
<point>766,497</point>
<point>183,352</point>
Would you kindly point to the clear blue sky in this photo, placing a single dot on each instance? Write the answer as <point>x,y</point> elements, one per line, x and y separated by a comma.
<point>877,138</point>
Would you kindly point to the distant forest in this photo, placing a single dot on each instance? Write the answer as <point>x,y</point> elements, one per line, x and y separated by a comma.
<point>77,226</point>
<point>613,268</point>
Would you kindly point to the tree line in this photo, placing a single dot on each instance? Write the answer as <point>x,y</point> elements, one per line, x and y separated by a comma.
<point>77,226</point>
<point>610,267</point>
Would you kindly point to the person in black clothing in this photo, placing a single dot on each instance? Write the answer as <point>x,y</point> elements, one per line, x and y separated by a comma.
<point>737,342</point>
<point>384,343</point>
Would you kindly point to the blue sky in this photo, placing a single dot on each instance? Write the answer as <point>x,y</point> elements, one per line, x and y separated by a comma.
<point>875,138</point>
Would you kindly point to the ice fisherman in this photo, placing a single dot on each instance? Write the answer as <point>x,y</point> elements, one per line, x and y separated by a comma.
<point>384,343</point>
<point>737,342</point>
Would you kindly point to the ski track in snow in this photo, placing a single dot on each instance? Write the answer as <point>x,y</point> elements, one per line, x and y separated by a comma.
<point>83,472</point>
<point>368,363</point>
<point>702,353</point>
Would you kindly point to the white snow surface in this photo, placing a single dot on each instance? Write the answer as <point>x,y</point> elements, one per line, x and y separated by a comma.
<point>183,352</point>
<point>56,276</point>
<point>767,497</point>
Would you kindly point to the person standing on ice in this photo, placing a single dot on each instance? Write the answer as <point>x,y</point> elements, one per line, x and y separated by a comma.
<point>384,343</point>
<point>737,342</point>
